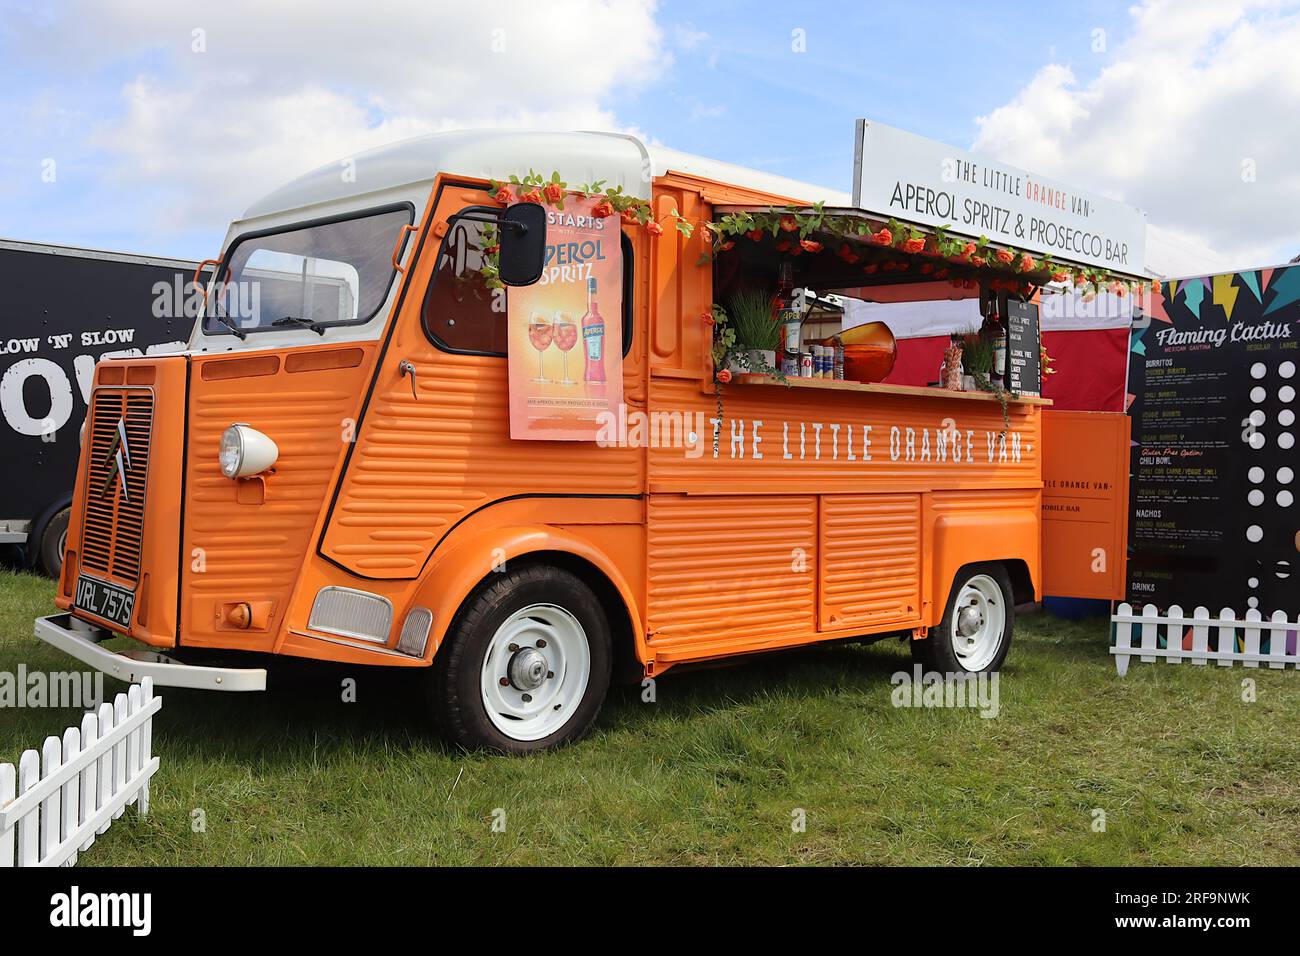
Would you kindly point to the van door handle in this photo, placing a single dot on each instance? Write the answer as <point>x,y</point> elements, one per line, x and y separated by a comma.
<point>407,367</point>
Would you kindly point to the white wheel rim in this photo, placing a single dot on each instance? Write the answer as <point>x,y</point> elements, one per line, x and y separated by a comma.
<point>535,672</point>
<point>978,620</point>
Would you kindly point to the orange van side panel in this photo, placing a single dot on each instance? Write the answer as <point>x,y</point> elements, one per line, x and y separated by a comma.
<point>870,548</point>
<point>730,569</point>
<point>245,540</point>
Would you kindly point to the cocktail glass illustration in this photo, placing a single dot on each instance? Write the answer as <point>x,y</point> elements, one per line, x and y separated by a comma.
<point>566,337</point>
<point>540,333</point>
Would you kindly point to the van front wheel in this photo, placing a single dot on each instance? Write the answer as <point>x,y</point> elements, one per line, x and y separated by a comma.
<point>975,633</point>
<point>527,665</point>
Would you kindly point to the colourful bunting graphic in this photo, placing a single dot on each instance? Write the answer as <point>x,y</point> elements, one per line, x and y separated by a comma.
<point>1225,293</point>
<point>1251,281</point>
<point>1287,290</point>
<point>1193,293</point>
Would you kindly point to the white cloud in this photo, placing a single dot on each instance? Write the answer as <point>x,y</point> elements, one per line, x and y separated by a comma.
<point>277,89</point>
<point>1200,94</point>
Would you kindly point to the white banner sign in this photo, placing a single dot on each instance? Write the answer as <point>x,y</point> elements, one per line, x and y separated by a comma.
<point>918,180</point>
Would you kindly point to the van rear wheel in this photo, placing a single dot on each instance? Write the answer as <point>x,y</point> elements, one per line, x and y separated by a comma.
<point>527,665</point>
<point>975,633</point>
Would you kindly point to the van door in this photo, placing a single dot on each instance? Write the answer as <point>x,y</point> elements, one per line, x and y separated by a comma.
<point>1085,504</point>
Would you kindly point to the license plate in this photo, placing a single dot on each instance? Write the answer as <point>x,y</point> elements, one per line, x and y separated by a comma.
<point>109,601</point>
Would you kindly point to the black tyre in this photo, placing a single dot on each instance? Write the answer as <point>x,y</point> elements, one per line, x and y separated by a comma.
<point>526,665</point>
<point>53,544</point>
<point>975,633</point>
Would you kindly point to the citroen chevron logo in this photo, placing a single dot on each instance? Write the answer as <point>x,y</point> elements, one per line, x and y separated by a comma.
<point>118,458</point>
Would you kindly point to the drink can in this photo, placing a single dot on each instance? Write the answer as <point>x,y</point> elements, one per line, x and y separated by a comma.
<point>790,363</point>
<point>805,365</point>
<point>839,363</point>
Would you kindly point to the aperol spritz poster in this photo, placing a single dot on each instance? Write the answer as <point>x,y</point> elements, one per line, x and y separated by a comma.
<point>566,330</point>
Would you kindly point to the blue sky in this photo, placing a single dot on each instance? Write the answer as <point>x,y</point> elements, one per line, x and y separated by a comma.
<point>930,68</point>
<point>163,121</point>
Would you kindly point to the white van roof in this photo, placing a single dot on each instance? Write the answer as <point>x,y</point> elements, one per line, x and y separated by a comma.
<point>579,157</point>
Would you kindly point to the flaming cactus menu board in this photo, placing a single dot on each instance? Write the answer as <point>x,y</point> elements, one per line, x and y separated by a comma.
<point>1212,381</point>
<point>565,351</point>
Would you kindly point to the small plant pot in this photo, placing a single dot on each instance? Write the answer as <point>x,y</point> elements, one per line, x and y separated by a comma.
<point>968,384</point>
<point>760,359</point>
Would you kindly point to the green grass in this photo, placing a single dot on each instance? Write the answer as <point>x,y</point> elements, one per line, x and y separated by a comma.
<point>1185,771</point>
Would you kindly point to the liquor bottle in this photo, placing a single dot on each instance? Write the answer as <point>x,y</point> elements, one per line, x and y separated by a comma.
<point>593,335</point>
<point>998,329</point>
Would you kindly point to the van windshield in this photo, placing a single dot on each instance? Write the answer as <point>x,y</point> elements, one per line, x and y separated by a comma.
<point>311,276</point>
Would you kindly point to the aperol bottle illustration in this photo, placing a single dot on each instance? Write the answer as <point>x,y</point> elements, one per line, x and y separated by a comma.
<point>566,337</point>
<point>593,334</point>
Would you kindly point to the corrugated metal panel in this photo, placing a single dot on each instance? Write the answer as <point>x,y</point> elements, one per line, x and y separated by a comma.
<point>871,561</point>
<point>727,568</point>
<point>422,464</point>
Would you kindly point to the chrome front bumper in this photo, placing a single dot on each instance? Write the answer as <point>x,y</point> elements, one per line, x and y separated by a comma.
<point>58,631</point>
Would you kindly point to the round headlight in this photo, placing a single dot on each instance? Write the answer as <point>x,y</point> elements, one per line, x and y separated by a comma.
<point>246,451</point>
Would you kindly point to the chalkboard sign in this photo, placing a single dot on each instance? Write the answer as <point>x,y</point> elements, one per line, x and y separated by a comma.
<point>1023,350</point>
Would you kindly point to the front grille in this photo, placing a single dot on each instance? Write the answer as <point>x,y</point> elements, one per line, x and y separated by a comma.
<point>112,528</point>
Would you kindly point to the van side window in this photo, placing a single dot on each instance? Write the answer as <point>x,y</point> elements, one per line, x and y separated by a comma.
<point>458,312</point>
<point>458,308</point>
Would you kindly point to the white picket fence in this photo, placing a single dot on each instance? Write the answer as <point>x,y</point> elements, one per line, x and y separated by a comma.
<point>1142,635</point>
<point>56,803</point>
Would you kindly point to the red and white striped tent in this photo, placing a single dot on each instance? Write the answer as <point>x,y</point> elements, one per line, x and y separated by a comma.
<point>1086,335</point>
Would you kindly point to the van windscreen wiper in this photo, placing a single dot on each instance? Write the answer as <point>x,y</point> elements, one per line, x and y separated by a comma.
<point>299,320</point>
<point>228,323</point>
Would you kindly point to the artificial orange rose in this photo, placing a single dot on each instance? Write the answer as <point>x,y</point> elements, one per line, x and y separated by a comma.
<point>883,238</point>
<point>505,195</point>
<point>533,196</point>
<point>727,246</point>
<point>603,209</point>
<point>1155,286</point>
<point>789,224</point>
<point>724,376</point>
<point>914,245</point>
<point>706,318</point>
<point>969,249</point>
<point>1027,263</point>
<point>1004,256</point>
<point>1060,276</point>
<point>810,245</point>
<point>553,192</point>
<point>654,228</point>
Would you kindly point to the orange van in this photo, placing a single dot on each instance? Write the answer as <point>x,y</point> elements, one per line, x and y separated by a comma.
<point>331,476</point>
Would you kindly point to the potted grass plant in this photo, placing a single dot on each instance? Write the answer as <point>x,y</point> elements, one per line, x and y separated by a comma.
<point>758,335</point>
<point>976,362</point>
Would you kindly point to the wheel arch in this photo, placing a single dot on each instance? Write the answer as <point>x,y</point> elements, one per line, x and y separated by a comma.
<point>474,562</point>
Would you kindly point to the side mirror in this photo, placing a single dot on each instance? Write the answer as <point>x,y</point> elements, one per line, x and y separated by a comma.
<point>523,243</point>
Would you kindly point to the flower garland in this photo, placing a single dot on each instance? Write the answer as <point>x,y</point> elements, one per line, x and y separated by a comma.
<point>612,201</point>
<point>957,259</point>
<point>954,258</point>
